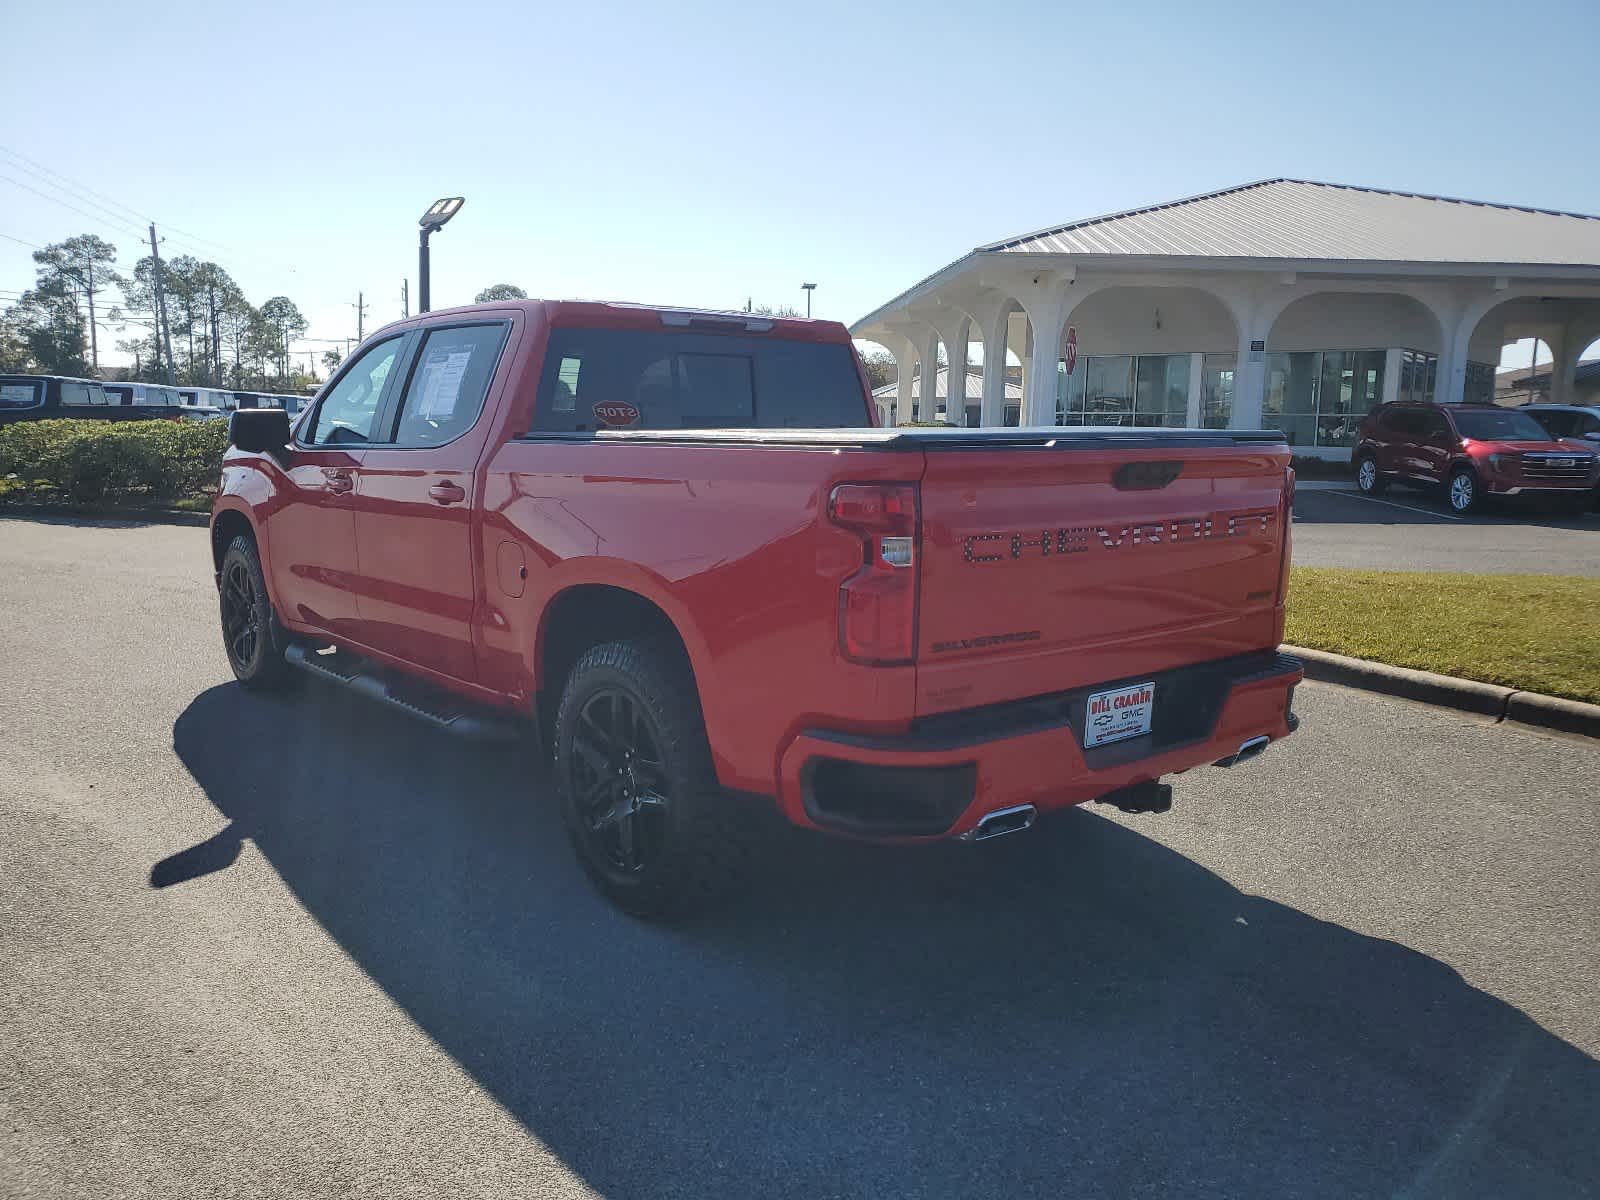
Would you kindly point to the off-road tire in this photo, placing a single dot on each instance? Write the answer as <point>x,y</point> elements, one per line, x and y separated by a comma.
<point>255,654</point>
<point>706,840</point>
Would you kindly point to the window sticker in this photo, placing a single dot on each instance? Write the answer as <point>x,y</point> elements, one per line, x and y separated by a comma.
<point>442,372</point>
<point>616,414</point>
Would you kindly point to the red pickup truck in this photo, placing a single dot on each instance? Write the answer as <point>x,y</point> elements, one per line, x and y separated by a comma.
<point>674,543</point>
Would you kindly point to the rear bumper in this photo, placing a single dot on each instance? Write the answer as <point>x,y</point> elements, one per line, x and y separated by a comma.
<point>943,776</point>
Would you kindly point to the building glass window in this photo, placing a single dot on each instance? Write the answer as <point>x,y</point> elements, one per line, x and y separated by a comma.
<point>1418,373</point>
<point>1480,383</point>
<point>1291,399</point>
<point>1216,391</point>
<point>1318,397</point>
<point>1125,389</point>
<point>1161,390</point>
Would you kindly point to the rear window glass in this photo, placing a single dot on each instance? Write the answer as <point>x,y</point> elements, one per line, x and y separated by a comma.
<point>20,395</point>
<point>627,379</point>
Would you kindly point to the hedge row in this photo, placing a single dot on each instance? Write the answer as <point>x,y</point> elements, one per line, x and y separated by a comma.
<point>112,460</point>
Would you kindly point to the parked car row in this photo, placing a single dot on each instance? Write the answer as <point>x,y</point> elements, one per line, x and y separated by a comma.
<point>1480,451</point>
<point>46,397</point>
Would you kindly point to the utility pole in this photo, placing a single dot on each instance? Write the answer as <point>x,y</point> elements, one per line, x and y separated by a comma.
<point>405,298</point>
<point>161,307</point>
<point>361,312</point>
<point>94,342</point>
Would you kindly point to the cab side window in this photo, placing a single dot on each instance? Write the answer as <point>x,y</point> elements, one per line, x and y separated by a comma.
<point>1403,424</point>
<point>448,384</point>
<point>345,416</point>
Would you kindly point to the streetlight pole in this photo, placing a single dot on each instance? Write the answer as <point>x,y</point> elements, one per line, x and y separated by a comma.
<point>438,213</point>
<point>809,288</point>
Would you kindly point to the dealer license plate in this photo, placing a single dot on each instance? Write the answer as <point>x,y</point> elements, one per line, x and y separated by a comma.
<point>1120,713</point>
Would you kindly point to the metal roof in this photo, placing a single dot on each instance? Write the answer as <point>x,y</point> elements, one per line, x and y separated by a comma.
<point>1300,219</point>
<point>941,386</point>
<point>1586,372</point>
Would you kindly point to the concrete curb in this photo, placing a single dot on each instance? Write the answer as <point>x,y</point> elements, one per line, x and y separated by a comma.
<point>91,512</point>
<point>1502,703</point>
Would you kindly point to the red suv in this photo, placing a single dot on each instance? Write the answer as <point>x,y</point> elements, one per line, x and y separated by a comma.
<point>1474,450</point>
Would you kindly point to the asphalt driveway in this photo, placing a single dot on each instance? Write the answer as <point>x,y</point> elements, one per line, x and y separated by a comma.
<point>304,947</point>
<point>1405,530</point>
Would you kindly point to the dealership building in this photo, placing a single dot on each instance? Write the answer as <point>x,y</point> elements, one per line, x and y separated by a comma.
<point>1283,304</point>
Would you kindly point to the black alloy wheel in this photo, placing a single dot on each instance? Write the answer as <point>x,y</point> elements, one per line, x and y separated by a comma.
<point>251,634</point>
<point>241,614</point>
<point>619,781</point>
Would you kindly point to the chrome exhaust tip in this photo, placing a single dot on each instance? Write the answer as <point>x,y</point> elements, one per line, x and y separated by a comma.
<point>1001,822</point>
<point>1247,749</point>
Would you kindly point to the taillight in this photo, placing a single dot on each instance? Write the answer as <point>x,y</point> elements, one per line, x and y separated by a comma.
<point>878,604</point>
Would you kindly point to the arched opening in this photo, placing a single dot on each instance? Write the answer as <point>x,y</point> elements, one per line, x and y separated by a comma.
<point>1332,357</point>
<point>1538,345</point>
<point>883,375</point>
<point>1147,356</point>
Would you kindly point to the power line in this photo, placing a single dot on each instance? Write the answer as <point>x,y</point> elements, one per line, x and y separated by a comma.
<point>127,230</point>
<point>81,191</point>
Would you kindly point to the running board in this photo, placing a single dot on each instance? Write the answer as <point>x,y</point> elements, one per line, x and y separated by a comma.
<point>362,677</point>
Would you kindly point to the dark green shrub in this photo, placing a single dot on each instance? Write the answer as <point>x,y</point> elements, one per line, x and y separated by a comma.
<point>122,460</point>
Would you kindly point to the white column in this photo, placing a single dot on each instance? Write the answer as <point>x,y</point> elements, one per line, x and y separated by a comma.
<point>927,394</point>
<point>994,369</point>
<point>1450,381</point>
<point>956,337</point>
<point>1197,382</point>
<point>1564,367</point>
<point>905,358</point>
<point>1391,374</point>
<point>1039,400</point>
<point>1249,377</point>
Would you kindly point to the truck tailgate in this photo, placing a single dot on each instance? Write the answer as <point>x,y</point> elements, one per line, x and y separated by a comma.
<point>1054,567</point>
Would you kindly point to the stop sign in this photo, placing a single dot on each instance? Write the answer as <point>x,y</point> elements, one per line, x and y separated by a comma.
<point>1072,348</point>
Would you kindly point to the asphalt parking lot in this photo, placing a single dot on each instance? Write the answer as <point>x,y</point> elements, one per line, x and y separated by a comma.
<point>304,947</point>
<point>1413,530</point>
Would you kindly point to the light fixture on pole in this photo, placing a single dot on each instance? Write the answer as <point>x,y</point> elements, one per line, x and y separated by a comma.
<point>436,216</point>
<point>809,288</point>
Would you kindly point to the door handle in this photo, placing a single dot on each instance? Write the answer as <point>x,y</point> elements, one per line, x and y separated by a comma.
<point>339,481</point>
<point>447,493</point>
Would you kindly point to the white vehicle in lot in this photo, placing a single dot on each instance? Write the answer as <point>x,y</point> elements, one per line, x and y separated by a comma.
<point>142,395</point>
<point>1574,422</point>
<point>205,397</point>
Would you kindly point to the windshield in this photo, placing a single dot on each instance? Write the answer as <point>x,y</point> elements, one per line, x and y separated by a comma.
<point>1498,424</point>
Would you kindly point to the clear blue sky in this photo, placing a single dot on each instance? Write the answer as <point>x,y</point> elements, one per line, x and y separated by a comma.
<point>699,154</point>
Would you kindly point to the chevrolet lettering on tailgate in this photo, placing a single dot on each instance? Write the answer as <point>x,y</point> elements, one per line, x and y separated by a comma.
<point>997,547</point>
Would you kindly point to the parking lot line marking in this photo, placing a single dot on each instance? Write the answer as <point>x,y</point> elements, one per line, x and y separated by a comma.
<point>1427,512</point>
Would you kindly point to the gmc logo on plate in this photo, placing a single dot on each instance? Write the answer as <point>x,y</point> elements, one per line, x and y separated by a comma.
<point>1078,539</point>
<point>615,412</point>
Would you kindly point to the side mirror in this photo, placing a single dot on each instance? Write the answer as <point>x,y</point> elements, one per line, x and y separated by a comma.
<point>259,430</point>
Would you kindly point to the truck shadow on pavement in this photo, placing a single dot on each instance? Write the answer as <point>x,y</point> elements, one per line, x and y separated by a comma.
<point>1077,1012</point>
